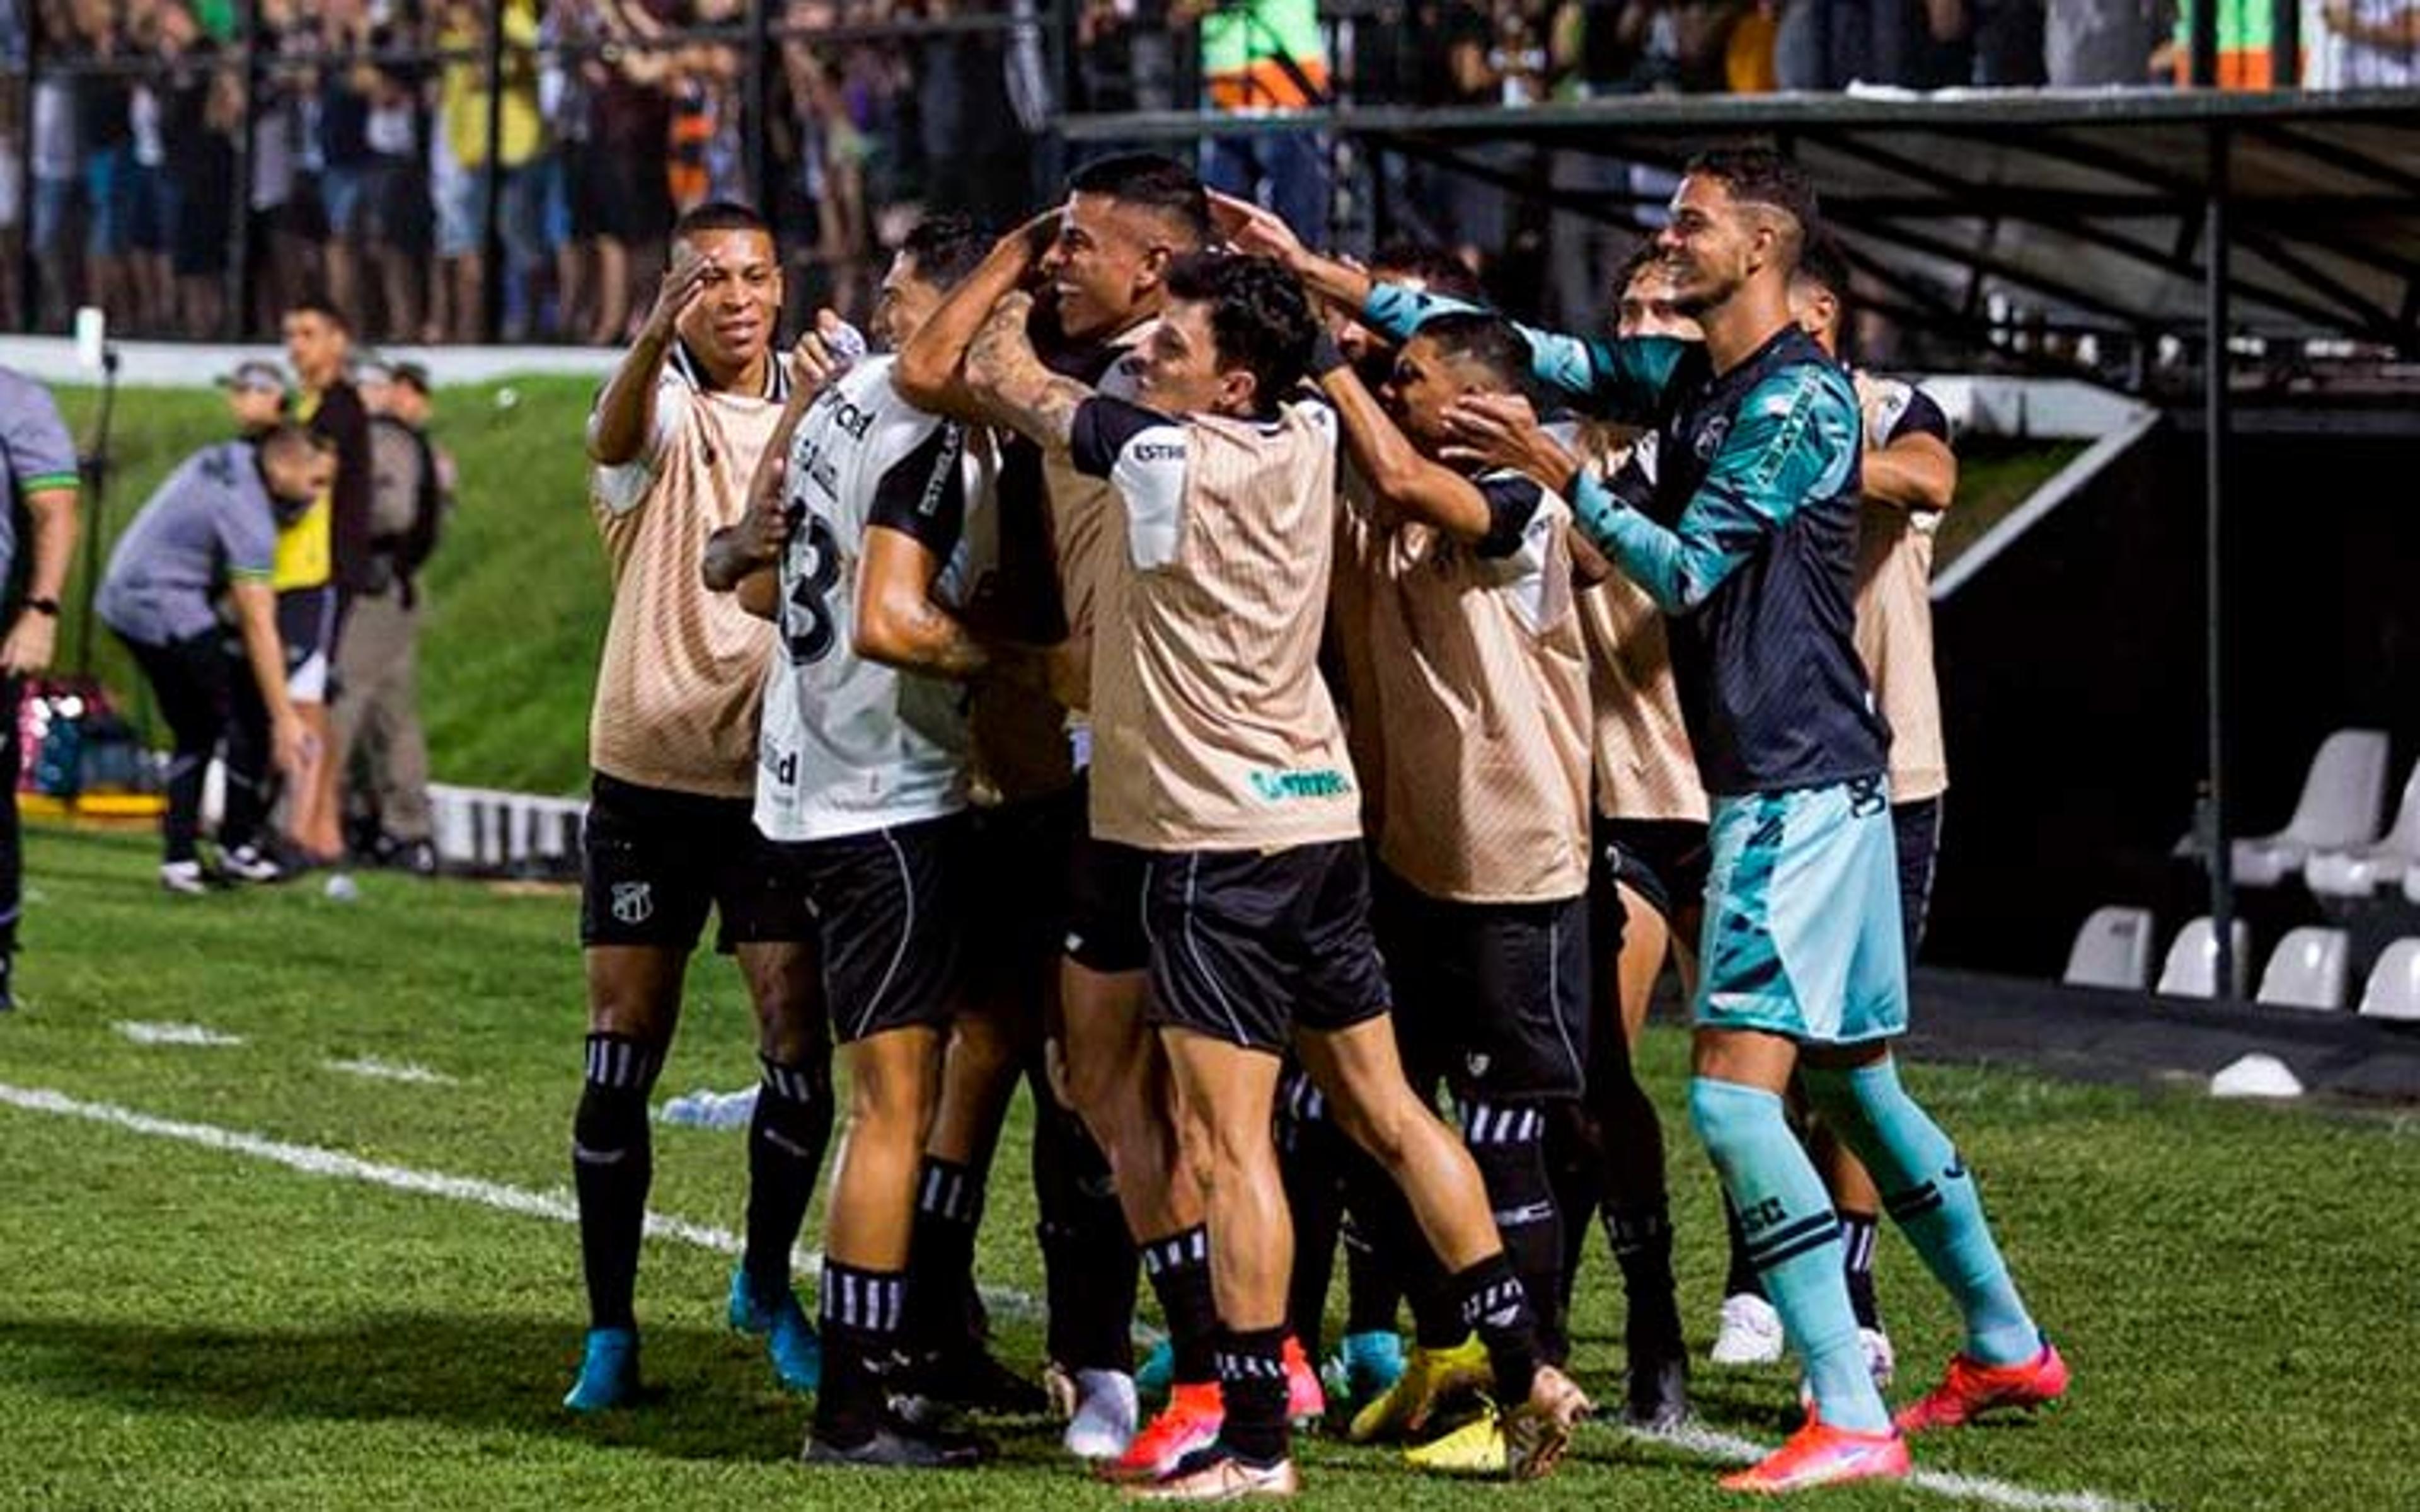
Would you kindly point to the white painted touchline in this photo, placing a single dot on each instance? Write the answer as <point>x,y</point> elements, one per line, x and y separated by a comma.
<point>391,1070</point>
<point>311,1160</point>
<point>194,1034</point>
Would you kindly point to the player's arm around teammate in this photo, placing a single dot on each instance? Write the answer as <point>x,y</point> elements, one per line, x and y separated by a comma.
<point>1226,481</point>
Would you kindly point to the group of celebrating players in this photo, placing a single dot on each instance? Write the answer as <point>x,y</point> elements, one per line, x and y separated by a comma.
<point>1241,693</point>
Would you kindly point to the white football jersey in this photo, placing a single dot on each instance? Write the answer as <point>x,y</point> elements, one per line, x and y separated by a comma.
<point>850,746</point>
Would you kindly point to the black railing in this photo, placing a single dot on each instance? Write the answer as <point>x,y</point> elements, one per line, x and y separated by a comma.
<point>480,171</point>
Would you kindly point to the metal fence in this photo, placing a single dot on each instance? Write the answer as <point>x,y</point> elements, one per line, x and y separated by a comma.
<point>456,170</point>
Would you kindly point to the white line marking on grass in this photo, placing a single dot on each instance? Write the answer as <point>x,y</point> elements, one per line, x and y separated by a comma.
<point>389,1070</point>
<point>197,1034</point>
<point>557,1206</point>
<point>1702,1441</point>
<point>1709,1443</point>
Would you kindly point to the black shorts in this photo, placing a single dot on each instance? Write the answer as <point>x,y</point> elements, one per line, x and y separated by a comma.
<point>652,863</point>
<point>1663,861</point>
<point>889,919</point>
<point>1494,997</point>
<point>1104,905</point>
<point>1246,946</point>
<point>307,629</point>
<point>1017,889</point>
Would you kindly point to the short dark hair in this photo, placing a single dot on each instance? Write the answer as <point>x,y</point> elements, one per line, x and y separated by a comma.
<point>1260,318</point>
<point>325,308</point>
<point>946,248</point>
<point>1760,175</point>
<point>1641,255</point>
<point>720,215</point>
<point>288,433</point>
<point>1434,266</point>
<point>1823,263</point>
<point>1485,338</point>
<point>1150,181</point>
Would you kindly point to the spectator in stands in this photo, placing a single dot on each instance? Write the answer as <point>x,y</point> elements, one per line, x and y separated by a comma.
<point>1258,56</point>
<point>151,288</point>
<point>201,106</point>
<point>57,188</point>
<point>282,241</point>
<point>105,137</point>
<point>978,159</point>
<point>627,201</point>
<point>463,105</point>
<point>2097,44</point>
<point>2368,44</point>
<point>365,146</point>
<point>379,747</point>
<point>39,476</point>
<point>834,156</point>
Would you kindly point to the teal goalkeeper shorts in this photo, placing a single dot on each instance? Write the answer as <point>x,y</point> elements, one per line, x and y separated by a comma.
<point>1801,933</point>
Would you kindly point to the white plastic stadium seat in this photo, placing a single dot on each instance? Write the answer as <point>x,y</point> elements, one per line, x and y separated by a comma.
<point>2191,969</point>
<point>2393,991</point>
<point>2307,970</point>
<point>2339,810</point>
<point>2111,950</point>
<point>2357,873</point>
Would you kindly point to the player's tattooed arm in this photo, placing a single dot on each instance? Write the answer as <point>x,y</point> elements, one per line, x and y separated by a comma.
<point>897,622</point>
<point>930,373</point>
<point>1007,375</point>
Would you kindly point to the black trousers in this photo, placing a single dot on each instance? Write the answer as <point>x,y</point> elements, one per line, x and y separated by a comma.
<point>207,695</point>
<point>12,859</point>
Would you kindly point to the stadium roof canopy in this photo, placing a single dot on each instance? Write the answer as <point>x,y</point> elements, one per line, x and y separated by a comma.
<point>2089,209</point>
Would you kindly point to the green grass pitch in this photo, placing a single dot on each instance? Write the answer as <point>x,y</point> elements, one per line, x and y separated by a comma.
<point>192,1327</point>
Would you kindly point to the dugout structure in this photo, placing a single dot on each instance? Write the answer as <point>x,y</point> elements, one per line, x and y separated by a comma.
<point>2171,225</point>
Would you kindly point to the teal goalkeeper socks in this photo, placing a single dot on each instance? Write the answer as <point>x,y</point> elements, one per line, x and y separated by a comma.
<point>1928,1193</point>
<point>1793,1238</point>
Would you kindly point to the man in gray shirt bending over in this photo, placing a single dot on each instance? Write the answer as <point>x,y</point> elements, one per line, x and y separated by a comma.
<point>211,527</point>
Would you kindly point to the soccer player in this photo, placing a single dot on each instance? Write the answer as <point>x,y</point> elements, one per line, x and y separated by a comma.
<point>1332,1188</point>
<point>1803,961</point>
<point>675,438</point>
<point>1909,477</point>
<point>1480,690</point>
<point>1648,884</point>
<point>858,544</point>
<point>1124,220</point>
<point>210,526</point>
<point>1612,1156</point>
<point>37,466</point>
<point>1220,758</point>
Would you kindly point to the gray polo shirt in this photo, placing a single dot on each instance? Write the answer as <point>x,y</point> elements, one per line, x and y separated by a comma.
<point>209,524</point>
<point>35,453</point>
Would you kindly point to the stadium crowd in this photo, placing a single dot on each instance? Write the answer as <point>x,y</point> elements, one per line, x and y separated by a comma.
<point>362,138</point>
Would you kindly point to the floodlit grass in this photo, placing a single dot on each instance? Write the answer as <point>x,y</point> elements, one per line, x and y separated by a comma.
<point>192,1328</point>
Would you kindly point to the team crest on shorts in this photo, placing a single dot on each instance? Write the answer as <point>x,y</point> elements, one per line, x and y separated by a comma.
<point>634,902</point>
<point>1477,1062</point>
